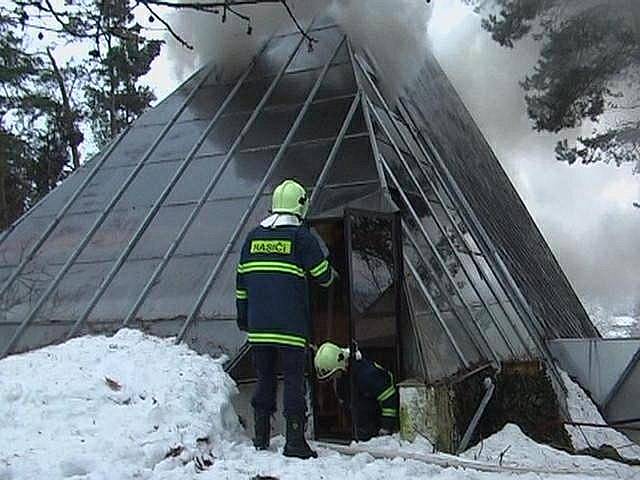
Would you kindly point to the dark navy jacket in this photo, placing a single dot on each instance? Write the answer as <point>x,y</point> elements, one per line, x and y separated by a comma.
<point>375,392</point>
<point>272,296</point>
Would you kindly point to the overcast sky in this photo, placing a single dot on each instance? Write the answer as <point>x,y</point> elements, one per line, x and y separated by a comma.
<point>586,213</point>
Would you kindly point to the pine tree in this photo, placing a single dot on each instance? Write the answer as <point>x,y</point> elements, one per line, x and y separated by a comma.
<point>120,58</point>
<point>16,71</point>
<point>589,69</point>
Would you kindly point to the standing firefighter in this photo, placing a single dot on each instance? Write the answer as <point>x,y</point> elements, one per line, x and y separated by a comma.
<point>272,298</point>
<point>375,394</point>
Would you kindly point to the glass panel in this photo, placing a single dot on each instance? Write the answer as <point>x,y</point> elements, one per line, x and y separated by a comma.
<point>4,273</point>
<point>161,232</point>
<point>302,163</point>
<point>101,189</point>
<point>25,291</point>
<point>73,293</point>
<point>113,235</point>
<point>166,108</point>
<point>509,329</point>
<point>327,41</point>
<point>373,287</point>
<point>413,363</point>
<point>325,119</point>
<point>180,139</point>
<point>58,197</point>
<point>16,245</point>
<point>224,134</point>
<point>213,227</point>
<point>195,179</point>
<point>118,299</point>
<point>221,301</point>
<point>354,162</point>
<point>277,52</point>
<point>66,238</point>
<point>244,173</point>
<point>443,118</point>
<point>174,294</point>
<point>132,148</point>
<point>458,320</point>
<point>148,185</point>
<point>210,98</point>
<point>213,337</point>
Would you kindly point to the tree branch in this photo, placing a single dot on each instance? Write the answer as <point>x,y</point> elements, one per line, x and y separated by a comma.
<point>173,33</point>
<point>214,7</point>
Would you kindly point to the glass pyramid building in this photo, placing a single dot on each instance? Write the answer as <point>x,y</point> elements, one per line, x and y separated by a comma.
<point>147,233</point>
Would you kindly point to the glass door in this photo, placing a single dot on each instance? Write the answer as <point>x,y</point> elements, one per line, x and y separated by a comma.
<point>374,261</point>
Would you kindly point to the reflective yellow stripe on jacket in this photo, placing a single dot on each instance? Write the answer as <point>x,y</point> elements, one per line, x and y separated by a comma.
<point>278,338</point>
<point>270,267</point>
<point>320,269</point>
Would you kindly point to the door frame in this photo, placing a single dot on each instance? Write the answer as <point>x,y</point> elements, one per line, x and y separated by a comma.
<point>398,276</point>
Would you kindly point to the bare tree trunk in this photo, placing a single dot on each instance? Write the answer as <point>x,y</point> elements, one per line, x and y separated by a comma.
<point>67,113</point>
<point>4,210</point>
<point>112,107</point>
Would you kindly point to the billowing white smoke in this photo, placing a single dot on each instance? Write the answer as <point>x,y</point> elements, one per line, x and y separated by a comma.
<point>228,44</point>
<point>393,33</point>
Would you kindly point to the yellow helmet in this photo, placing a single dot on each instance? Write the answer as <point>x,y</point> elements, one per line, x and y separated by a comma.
<point>329,359</point>
<point>290,197</point>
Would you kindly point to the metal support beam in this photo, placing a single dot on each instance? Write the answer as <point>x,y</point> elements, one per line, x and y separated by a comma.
<point>454,284</point>
<point>101,218</point>
<point>501,273</point>
<point>324,174</point>
<point>151,214</point>
<point>256,197</point>
<point>436,312</point>
<point>441,287</point>
<point>490,388</point>
<point>369,124</point>
<point>425,198</point>
<point>459,233</point>
<point>209,188</point>
<point>443,264</point>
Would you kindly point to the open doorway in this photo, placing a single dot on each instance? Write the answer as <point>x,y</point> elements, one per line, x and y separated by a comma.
<point>330,313</point>
<point>362,306</point>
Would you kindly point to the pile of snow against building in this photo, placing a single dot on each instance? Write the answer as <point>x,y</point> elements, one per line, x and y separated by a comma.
<point>445,279</point>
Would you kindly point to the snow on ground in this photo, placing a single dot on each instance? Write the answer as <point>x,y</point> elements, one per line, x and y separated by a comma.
<point>59,417</point>
<point>511,447</point>
<point>133,406</point>
<point>614,325</point>
<point>582,409</point>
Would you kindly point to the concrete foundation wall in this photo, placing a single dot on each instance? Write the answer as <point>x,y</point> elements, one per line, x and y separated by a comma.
<point>524,395</point>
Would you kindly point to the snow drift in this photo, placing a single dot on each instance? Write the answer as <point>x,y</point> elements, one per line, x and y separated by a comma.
<point>116,407</point>
<point>133,406</point>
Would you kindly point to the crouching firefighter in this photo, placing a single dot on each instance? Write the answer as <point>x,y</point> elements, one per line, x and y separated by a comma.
<point>375,401</point>
<point>272,299</point>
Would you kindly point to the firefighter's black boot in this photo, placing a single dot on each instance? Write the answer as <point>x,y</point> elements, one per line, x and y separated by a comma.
<point>262,425</point>
<point>296,445</point>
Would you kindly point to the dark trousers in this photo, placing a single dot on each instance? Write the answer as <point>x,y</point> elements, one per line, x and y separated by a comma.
<point>292,360</point>
<point>366,418</point>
